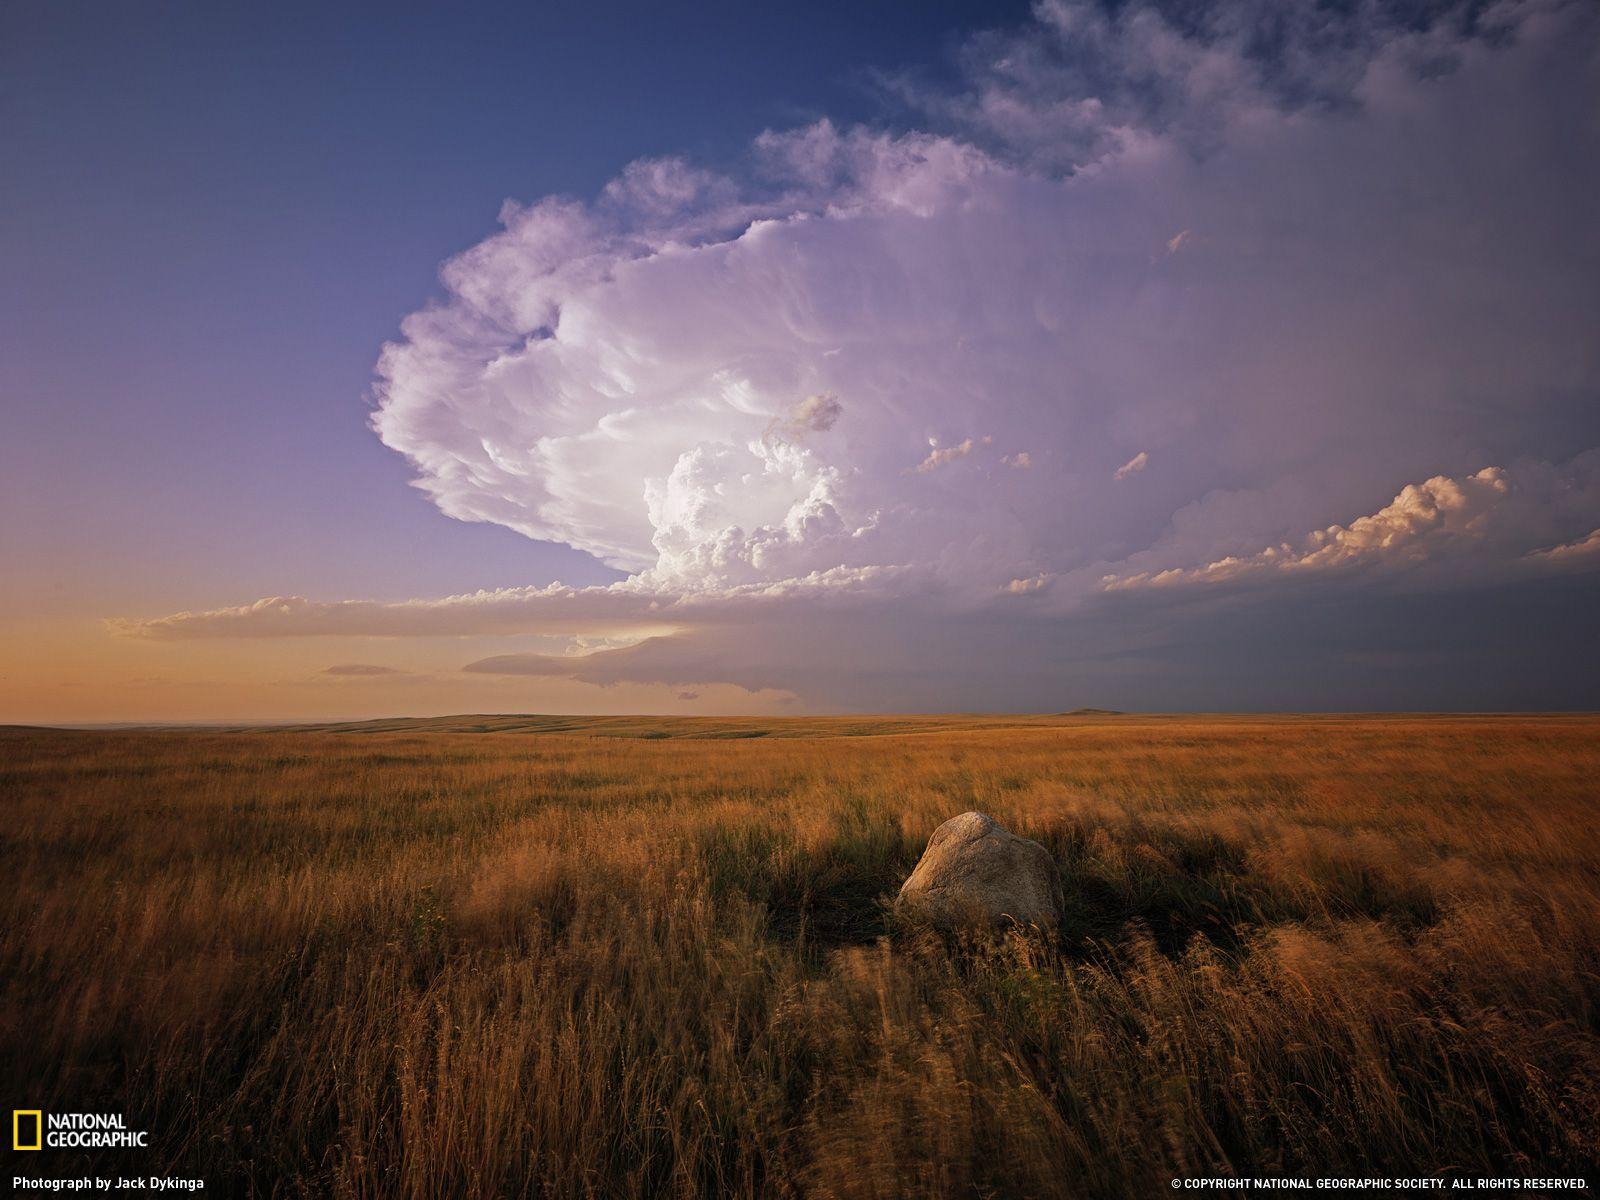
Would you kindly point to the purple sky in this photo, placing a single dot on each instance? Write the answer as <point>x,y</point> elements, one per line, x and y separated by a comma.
<point>1126,360</point>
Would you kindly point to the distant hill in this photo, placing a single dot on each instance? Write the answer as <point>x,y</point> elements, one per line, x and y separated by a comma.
<point>1082,720</point>
<point>700,728</point>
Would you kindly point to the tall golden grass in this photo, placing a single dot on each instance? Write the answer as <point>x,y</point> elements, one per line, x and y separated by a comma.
<point>660,963</point>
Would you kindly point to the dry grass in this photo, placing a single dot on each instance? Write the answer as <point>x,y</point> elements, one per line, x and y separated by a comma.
<point>561,964</point>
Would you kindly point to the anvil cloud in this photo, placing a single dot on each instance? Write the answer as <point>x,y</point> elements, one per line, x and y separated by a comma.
<point>1275,295</point>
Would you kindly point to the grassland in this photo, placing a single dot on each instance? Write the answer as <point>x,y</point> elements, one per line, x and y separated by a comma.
<point>652,958</point>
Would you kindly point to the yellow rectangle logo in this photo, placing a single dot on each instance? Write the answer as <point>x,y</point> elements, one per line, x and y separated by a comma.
<point>19,1120</point>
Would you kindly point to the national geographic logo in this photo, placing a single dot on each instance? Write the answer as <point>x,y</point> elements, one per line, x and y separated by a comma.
<point>34,1129</point>
<point>27,1128</point>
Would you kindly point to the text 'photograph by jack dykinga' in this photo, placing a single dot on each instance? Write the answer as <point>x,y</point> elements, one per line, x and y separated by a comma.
<point>821,602</point>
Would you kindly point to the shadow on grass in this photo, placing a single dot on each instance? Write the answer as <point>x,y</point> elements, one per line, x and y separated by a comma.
<point>1175,884</point>
<point>1168,883</point>
<point>820,896</point>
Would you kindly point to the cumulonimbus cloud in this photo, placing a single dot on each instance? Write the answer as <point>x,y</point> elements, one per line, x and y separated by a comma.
<point>715,382</point>
<point>1300,272</point>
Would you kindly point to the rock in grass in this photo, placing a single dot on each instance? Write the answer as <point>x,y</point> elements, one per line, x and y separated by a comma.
<point>976,873</point>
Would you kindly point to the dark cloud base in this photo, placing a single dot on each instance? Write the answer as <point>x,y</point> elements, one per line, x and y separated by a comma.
<point>1523,645</point>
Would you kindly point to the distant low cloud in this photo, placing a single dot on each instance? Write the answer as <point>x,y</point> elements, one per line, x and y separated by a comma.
<point>630,608</point>
<point>361,669</point>
<point>943,456</point>
<point>602,666</point>
<point>545,610</point>
<point>1132,467</point>
<point>1488,518</point>
<point>814,414</point>
<point>1585,549</point>
<point>1023,587</point>
<point>673,661</point>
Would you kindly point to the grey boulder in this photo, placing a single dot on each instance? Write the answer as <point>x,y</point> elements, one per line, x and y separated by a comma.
<point>976,873</point>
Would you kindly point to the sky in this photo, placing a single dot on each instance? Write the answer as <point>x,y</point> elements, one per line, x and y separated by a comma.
<point>730,359</point>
